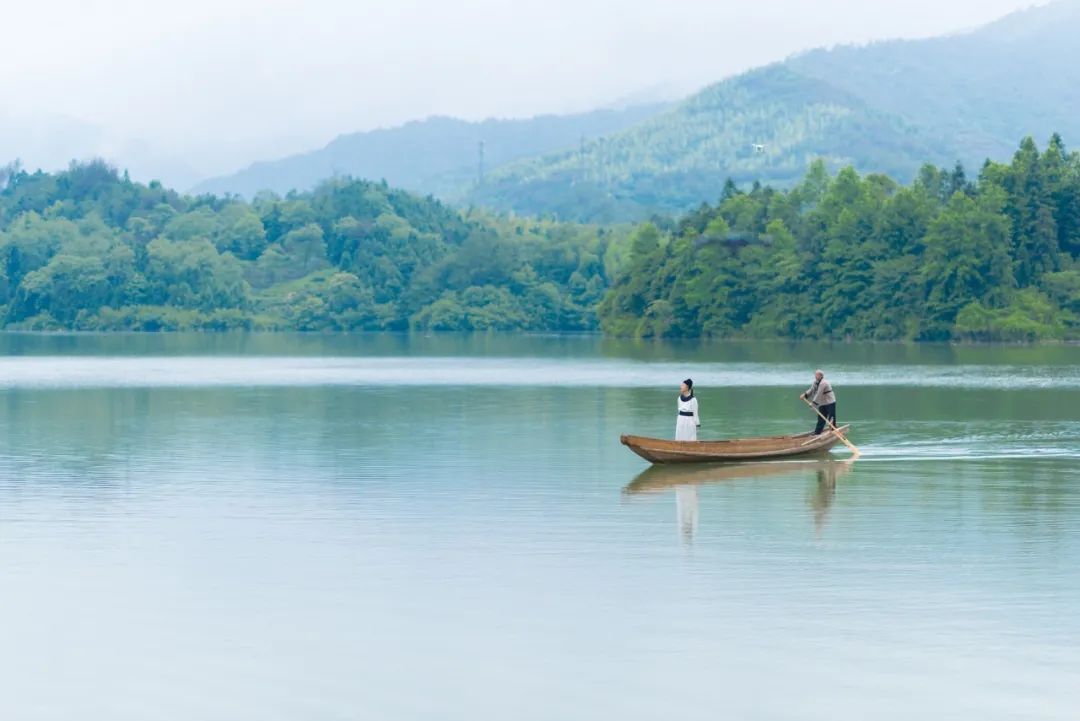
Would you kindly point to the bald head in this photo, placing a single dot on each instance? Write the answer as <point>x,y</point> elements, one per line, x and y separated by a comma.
<point>818,374</point>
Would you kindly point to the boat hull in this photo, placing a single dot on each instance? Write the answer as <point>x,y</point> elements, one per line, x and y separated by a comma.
<point>658,450</point>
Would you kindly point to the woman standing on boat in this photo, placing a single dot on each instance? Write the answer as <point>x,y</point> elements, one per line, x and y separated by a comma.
<point>688,421</point>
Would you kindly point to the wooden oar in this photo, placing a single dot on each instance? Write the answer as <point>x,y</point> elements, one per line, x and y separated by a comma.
<point>835,430</point>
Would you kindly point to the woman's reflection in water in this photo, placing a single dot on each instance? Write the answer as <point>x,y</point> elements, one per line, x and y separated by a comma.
<point>686,509</point>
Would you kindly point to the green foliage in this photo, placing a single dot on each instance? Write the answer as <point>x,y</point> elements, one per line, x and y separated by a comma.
<point>88,249</point>
<point>833,257</point>
<point>325,300</point>
<point>861,257</point>
<point>1030,316</point>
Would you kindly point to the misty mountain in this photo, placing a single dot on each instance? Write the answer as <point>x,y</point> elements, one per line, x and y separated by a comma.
<point>982,90</point>
<point>439,155</point>
<point>885,107</point>
<point>48,143</point>
<point>52,142</point>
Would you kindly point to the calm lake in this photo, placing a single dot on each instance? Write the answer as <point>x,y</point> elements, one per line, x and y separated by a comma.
<point>301,527</point>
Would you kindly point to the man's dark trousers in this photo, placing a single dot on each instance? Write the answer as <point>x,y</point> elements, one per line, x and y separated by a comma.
<point>829,411</point>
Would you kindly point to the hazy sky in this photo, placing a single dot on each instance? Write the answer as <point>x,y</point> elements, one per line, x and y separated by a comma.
<point>222,82</point>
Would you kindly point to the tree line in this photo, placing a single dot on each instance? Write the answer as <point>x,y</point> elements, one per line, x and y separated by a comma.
<point>88,249</point>
<point>992,258</point>
<point>946,257</point>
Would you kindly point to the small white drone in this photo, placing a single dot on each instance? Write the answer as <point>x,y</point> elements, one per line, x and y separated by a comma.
<point>759,148</point>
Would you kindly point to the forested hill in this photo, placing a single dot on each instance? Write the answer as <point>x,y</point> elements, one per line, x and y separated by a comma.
<point>885,107</point>
<point>946,258</point>
<point>88,249</point>
<point>980,90</point>
<point>439,155</point>
<point>676,160</point>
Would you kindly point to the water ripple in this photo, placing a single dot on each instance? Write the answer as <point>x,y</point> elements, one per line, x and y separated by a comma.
<point>196,371</point>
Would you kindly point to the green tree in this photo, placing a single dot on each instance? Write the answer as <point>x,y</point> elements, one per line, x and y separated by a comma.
<point>967,259</point>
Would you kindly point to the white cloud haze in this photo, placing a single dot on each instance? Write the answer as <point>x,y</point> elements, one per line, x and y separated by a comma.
<point>221,83</point>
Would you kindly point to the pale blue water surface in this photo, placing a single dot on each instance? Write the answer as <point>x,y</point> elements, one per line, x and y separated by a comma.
<point>384,527</point>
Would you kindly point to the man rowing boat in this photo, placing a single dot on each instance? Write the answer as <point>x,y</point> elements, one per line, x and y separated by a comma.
<point>821,395</point>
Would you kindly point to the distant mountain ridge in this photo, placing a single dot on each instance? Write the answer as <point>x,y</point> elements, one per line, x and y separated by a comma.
<point>885,107</point>
<point>439,155</point>
<point>984,89</point>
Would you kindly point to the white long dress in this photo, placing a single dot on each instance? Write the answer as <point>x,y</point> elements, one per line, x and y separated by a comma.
<point>686,426</point>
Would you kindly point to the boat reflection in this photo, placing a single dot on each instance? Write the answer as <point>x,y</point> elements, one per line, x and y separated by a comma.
<point>684,481</point>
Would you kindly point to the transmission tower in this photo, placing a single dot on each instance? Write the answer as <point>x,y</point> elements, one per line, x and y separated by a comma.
<point>480,164</point>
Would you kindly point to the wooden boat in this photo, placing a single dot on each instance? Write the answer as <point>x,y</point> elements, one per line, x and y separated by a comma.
<point>657,450</point>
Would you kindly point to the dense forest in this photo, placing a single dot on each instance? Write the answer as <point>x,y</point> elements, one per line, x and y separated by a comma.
<point>844,255</point>
<point>850,256</point>
<point>89,249</point>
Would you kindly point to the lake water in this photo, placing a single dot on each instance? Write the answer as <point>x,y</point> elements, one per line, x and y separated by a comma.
<point>380,527</point>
